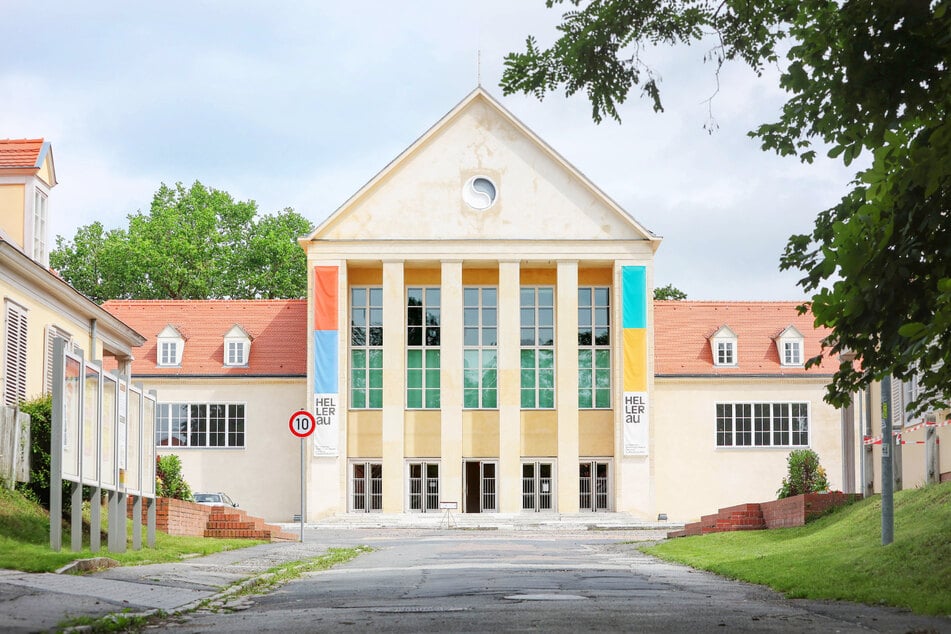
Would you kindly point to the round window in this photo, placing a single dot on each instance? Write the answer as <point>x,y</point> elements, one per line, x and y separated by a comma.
<point>479,192</point>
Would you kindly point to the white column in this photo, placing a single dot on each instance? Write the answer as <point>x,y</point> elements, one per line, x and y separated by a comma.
<point>450,382</point>
<point>566,381</point>
<point>394,387</point>
<point>510,414</point>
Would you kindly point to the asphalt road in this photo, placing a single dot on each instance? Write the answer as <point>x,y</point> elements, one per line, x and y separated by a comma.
<point>490,581</point>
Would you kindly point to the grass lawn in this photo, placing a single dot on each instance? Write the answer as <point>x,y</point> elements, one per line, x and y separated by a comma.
<point>840,555</point>
<point>25,538</point>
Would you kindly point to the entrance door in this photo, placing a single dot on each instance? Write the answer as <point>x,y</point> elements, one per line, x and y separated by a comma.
<point>479,486</point>
<point>423,486</point>
<point>366,487</point>
<point>537,486</point>
<point>593,486</point>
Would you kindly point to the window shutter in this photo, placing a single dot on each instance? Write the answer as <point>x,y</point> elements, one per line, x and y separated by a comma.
<point>52,332</point>
<point>898,406</point>
<point>14,376</point>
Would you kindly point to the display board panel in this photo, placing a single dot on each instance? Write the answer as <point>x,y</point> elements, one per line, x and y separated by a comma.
<point>148,446</point>
<point>107,434</point>
<point>133,471</point>
<point>90,440</point>
<point>72,417</point>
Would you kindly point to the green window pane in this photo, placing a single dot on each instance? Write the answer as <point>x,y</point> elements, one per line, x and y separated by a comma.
<point>602,398</point>
<point>470,359</point>
<point>375,359</point>
<point>602,378</point>
<point>546,358</point>
<point>358,379</point>
<point>432,399</point>
<point>490,378</point>
<point>470,379</point>
<point>528,399</point>
<point>584,378</point>
<point>358,398</point>
<point>414,359</point>
<point>546,399</point>
<point>602,359</point>
<point>546,379</point>
<point>432,379</point>
<point>432,359</point>
<point>358,358</point>
<point>376,379</point>
<point>528,379</point>
<point>584,359</point>
<point>489,398</point>
<point>414,398</point>
<point>376,399</point>
<point>584,399</point>
<point>489,359</point>
<point>470,398</point>
<point>414,379</point>
<point>528,359</point>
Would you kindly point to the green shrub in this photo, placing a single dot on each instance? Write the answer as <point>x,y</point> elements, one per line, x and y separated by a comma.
<point>805,474</point>
<point>169,482</point>
<point>41,427</point>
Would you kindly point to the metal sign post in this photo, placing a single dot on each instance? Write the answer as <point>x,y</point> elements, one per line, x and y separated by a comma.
<point>302,424</point>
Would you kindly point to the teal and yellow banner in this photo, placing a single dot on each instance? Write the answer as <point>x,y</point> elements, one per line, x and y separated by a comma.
<point>634,332</point>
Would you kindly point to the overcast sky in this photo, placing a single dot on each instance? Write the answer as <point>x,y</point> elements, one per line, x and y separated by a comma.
<point>298,104</point>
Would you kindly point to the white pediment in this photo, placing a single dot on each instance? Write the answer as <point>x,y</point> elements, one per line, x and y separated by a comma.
<point>427,192</point>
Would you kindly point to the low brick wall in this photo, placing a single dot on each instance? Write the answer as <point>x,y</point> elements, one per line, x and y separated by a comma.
<point>799,509</point>
<point>177,517</point>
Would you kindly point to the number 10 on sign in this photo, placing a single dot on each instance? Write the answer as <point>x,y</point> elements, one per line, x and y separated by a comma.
<point>302,424</point>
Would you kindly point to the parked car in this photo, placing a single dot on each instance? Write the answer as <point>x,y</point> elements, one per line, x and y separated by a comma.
<point>214,499</point>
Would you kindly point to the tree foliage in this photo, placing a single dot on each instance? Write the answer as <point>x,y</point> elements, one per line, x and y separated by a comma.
<point>194,243</point>
<point>804,474</point>
<point>862,76</point>
<point>669,292</point>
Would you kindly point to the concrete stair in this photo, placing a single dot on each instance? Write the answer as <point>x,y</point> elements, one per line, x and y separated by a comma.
<point>231,523</point>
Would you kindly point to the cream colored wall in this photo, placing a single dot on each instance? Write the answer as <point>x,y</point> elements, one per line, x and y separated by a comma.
<point>480,434</point>
<point>365,433</point>
<point>45,172</point>
<point>264,476</point>
<point>694,477</point>
<point>11,211</point>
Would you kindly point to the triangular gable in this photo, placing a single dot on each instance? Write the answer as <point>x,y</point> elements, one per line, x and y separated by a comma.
<point>419,195</point>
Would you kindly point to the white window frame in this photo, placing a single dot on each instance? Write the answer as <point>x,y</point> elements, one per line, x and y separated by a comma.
<point>790,345</point>
<point>590,310</point>
<point>724,341</point>
<point>426,294</point>
<point>15,353</point>
<point>536,328</point>
<point>40,247</point>
<point>367,344</point>
<point>169,348</point>
<point>483,334</point>
<point>759,424</point>
<point>163,420</point>
<point>237,348</point>
<point>426,492</point>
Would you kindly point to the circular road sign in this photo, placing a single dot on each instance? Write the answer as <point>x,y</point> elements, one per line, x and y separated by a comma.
<point>302,423</point>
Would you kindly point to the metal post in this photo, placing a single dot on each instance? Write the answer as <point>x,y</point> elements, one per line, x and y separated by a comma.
<point>56,449</point>
<point>888,503</point>
<point>76,517</point>
<point>137,523</point>
<point>303,489</point>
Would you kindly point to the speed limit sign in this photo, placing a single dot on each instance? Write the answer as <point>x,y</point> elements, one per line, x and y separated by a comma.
<point>302,423</point>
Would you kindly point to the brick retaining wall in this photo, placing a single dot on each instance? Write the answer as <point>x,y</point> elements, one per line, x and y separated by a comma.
<point>177,517</point>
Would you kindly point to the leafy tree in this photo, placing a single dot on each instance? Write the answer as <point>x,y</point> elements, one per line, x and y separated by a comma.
<point>194,243</point>
<point>669,292</point>
<point>862,76</point>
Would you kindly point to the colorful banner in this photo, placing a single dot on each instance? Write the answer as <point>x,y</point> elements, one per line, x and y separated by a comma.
<point>326,361</point>
<point>636,406</point>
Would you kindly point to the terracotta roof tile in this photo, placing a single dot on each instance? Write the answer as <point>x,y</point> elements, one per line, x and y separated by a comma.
<point>682,329</point>
<point>19,153</point>
<point>278,330</point>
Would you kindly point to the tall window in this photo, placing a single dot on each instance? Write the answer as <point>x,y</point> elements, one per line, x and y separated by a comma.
<point>480,348</point>
<point>594,347</point>
<point>422,348</point>
<point>762,424</point>
<point>14,358</point>
<point>199,424</point>
<point>538,347</point>
<point>366,348</point>
<point>39,227</point>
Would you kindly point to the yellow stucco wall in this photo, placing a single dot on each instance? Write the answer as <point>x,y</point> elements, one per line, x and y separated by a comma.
<point>421,434</point>
<point>480,434</point>
<point>11,211</point>
<point>357,276</point>
<point>45,172</point>
<point>365,434</point>
<point>538,276</point>
<point>476,277</point>
<point>596,433</point>
<point>539,433</point>
<point>419,277</point>
<point>595,276</point>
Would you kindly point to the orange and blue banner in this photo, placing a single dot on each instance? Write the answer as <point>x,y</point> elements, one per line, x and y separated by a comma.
<point>636,410</point>
<point>326,360</point>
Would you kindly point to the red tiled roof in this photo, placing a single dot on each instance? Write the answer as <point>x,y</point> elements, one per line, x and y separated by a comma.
<point>278,330</point>
<point>19,153</point>
<point>682,330</point>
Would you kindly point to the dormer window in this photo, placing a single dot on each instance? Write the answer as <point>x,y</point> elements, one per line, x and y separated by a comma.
<point>789,344</point>
<point>723,347</point>
<point>237,347</point>
<point>170,345</point>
